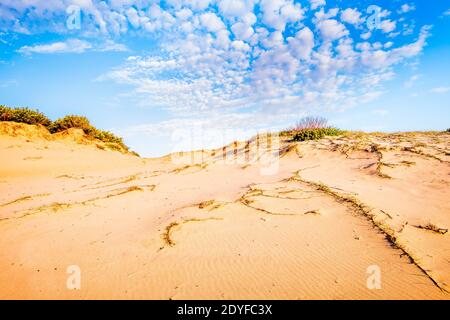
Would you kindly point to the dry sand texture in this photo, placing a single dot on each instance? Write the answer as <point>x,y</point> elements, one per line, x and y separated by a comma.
<point>153,229</point>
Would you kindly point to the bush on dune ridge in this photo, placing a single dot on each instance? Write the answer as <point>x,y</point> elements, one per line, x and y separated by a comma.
<point>24,115</point>
<point>312,128</point>
<point>309,123</point>
<point>72,121</point>
<point>80,122</point>
<point>316,134</point>
<point>29,116</point>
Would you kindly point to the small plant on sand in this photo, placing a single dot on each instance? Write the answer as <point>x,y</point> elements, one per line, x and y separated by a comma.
<point>313,128</point>
<point>24,115</point>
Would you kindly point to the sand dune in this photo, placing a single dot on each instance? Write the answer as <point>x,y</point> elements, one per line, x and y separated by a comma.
<point>213,229</point>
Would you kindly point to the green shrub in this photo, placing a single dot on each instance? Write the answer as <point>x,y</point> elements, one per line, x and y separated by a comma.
<point>107,136</point>
<point>72,121</point>
<point>113,146</point>
<point>315,134</point>
<point>24,115</point>
<point>80,122</point>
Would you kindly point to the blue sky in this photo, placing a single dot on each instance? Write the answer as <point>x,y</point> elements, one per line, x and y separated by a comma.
<point>170,75</point>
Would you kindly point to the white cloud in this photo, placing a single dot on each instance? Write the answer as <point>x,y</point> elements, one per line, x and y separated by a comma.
<point>331,29</point>
<point>235,8</point>
<point>222,39</point>
<point>211,22</point>
<point>274,39</point>
<point>366,36</point>
<point>302,44</point>
<point>317,3</point>
<point>242,31</point>
<point>199,5</point>
<point>412,49</point>
<point>277,13</point>
<point>351,16</point>
<point>112,46</point>
<point>240,45</point>
<point>133,17</point>
<point>322,15</point>
<point>73,46</point>
<point>411,81</point>
<point>69,46</point>
<point>440,90</point>
<point>184,14</point>
<point>447,13</point>
<point>249,18</point>
<point>8,83</point>
<point>407,8</point>
<point>388,26</point>
<point>380,112</point>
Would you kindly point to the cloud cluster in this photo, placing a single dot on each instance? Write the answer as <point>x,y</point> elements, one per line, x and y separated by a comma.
<point>283,59</point>
<point>255,58</point>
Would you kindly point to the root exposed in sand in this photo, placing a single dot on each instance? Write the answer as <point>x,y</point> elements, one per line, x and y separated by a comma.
<point>16,201</point>
<point>56,206</point>
<point>431,227</point>
<point>210,205</point>
<point>199,165</point>
<point>254,192</point>
<point>24,198</point>
<point>167,235</point>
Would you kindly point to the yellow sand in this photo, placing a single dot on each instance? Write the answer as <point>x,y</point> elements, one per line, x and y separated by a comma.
<point>155,229</point>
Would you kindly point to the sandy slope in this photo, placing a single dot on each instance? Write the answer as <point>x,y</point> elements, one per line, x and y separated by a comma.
<point>152,228</point>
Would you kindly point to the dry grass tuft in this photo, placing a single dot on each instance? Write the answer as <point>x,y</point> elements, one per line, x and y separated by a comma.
<point>130,189</point>
<point>198,165</point>
<point>205,204</point>
<point>408,163</point>
<point>210,204</point>
<point>431,227</point>
<point>313,212</point>
<point>16,201</point>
